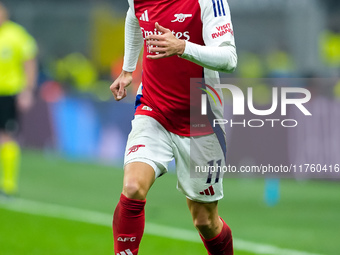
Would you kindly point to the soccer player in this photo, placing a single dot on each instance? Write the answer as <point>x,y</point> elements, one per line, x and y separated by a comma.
<point>182,40</point>
<point>17,80</point>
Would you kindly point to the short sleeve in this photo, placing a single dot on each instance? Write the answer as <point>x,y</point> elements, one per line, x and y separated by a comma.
<point>29,46</point>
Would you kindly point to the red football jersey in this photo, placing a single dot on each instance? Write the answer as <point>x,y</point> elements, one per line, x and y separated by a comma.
<point>165,93</point>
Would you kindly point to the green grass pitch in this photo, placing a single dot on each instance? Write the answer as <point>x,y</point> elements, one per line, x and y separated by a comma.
<point>307,218</point>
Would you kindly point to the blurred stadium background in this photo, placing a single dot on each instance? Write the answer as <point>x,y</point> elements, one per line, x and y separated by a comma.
<point>74,136</point>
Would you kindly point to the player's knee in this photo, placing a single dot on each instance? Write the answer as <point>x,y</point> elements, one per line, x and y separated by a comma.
<point>203,224</point>
<point>133,189</point>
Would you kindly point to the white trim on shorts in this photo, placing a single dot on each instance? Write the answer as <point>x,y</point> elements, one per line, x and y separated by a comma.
<point>157,170</point>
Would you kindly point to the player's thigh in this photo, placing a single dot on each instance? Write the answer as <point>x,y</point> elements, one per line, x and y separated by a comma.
<point>148,152</point>
<point>194,158</point>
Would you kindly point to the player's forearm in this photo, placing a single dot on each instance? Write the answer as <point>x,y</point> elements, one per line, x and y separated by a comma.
<point>222,59</point>
<point>133,42</point>
<point>31,71</point>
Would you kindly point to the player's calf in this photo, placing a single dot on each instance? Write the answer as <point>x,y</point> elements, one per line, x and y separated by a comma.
<point>214,232</point>
<point>129,216</point>
<point>222,244</point>
<point>128,225</point>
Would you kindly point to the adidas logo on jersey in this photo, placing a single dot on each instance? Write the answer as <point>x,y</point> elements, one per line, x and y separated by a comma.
<point>144,16</point>
<point>209,191</point>
<point>126,252</point>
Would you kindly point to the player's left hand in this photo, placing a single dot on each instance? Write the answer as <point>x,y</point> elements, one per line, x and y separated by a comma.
<point>164,45</point>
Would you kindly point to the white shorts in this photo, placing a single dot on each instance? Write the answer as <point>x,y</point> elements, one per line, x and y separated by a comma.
<point>151,143</point>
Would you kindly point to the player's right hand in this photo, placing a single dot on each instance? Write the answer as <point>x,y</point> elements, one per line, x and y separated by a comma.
<point>118,86</point>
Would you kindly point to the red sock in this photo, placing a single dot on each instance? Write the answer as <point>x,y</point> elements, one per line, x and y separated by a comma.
<point>222,244</point>
<point>128,225</point>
